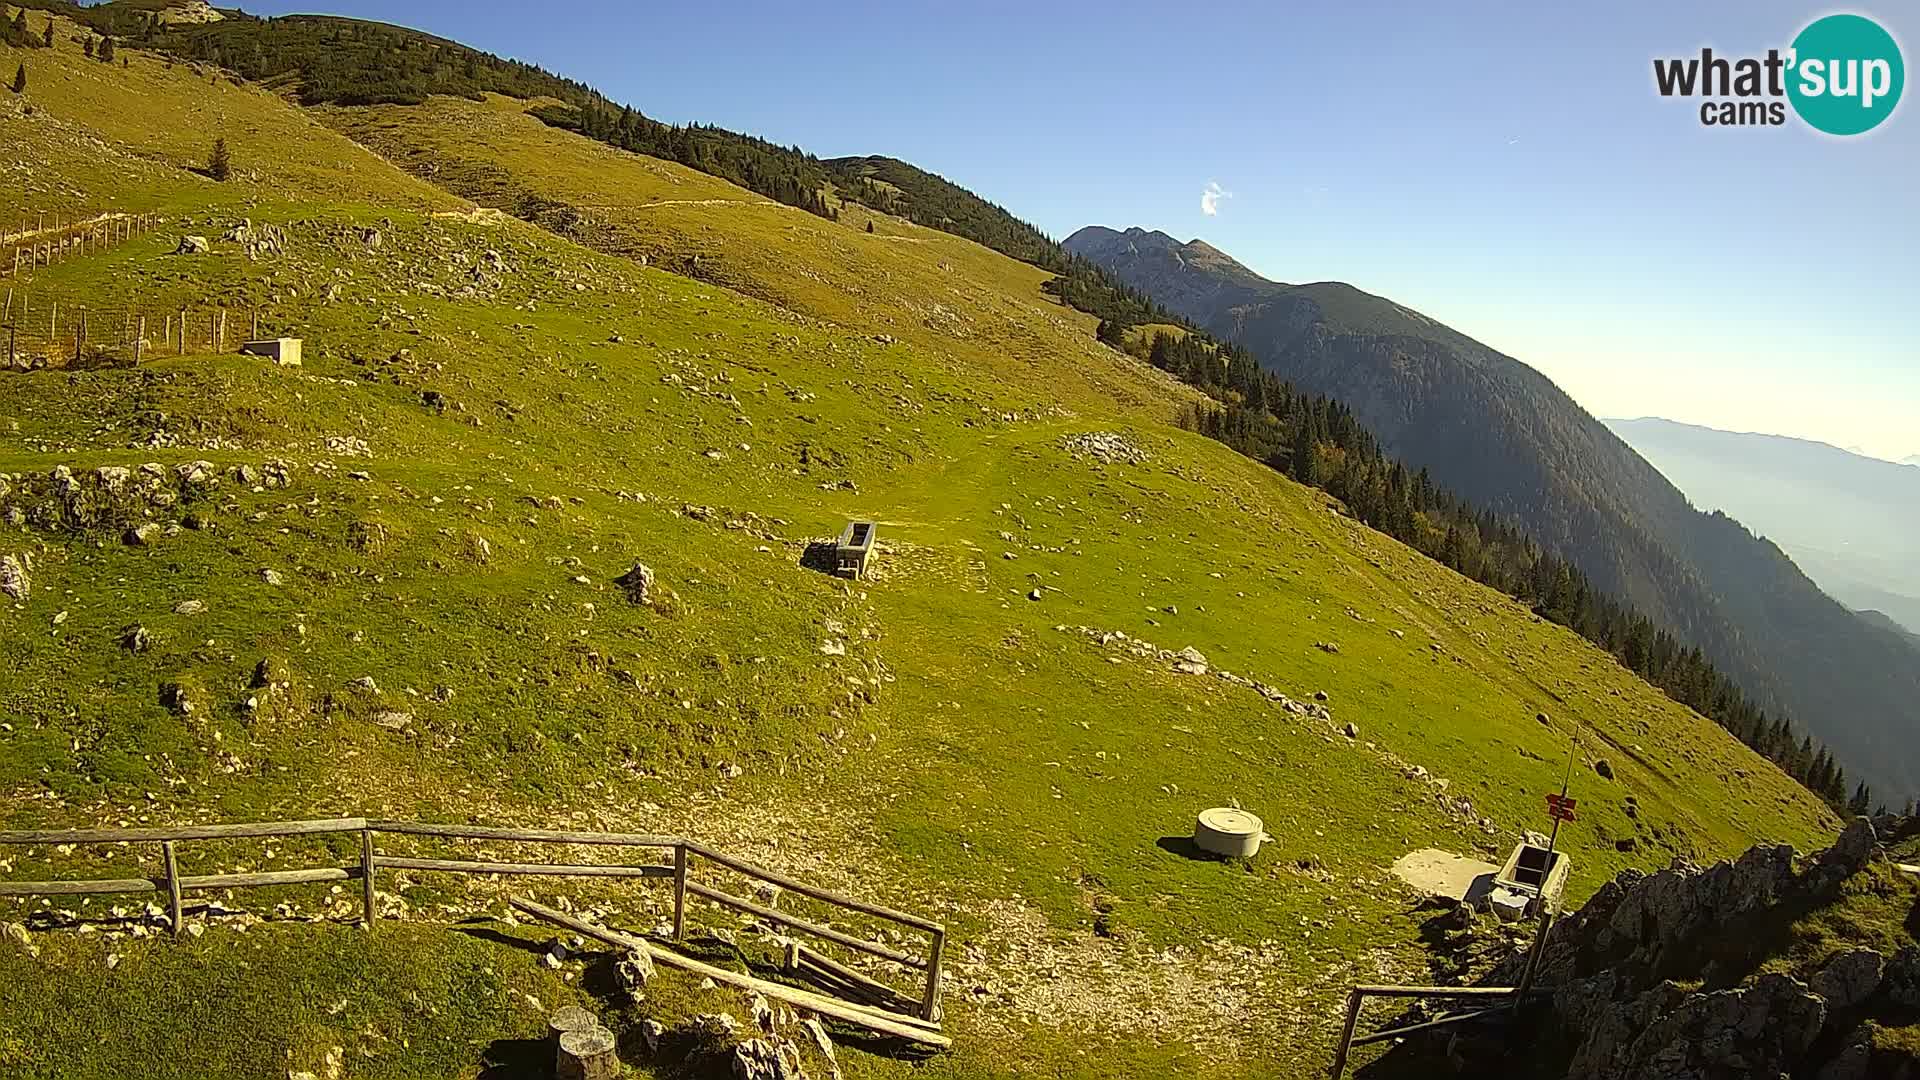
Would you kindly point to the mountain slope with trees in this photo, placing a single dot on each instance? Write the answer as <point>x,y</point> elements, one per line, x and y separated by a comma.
<point>1507,440</point>
<point>1851,522</point>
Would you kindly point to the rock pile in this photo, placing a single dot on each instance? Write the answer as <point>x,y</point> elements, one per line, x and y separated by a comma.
<point>1106,447</point>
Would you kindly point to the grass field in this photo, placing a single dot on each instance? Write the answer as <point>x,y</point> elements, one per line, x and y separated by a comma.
<point>931,737</point>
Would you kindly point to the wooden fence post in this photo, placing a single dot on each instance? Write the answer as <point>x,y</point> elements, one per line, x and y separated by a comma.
<point>930,1004</point>
<point>183,331</point>
<point>140,343</point>
<point>679,892</point>
<point>175,910</point>
<point>368,911</point>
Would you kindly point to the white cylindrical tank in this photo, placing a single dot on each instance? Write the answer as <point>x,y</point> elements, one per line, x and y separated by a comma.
<point>1226,831</point>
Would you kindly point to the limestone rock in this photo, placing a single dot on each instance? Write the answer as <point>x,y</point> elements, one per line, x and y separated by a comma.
<point>1760,1029</point>
<point>1190,661</point>
<point>193,245</point>
<point>637,583</point>
<point>1850,978</point>
<point>16,580</point>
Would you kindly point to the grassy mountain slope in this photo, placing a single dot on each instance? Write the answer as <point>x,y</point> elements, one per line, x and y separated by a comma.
<point>1508,440</point>
<point>931,737</point>
<point>1852,522</point>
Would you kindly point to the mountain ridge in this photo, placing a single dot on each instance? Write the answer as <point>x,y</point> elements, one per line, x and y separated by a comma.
<point>1507,439</point>
<point>1851,521</point>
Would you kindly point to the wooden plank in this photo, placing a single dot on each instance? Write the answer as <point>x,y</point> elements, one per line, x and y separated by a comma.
<point>270,877</point>
<point>77,888</point>
<point>525,836</point>
<point>828,896</point>
<point>1435,991</point>
<point>183,832</point>
<point>862,984</point>
<point>902,1027</point>
<point>459,866</point>
<point>781,917</point>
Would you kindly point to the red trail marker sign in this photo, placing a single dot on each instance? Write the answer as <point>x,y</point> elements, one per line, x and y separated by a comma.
<point>1561,808</point>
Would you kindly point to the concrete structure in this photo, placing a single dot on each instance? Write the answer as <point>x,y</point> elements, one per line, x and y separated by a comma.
<point>850,555</point>
<point>1535,873</point>
<point>282,351</point>
<point>1442,873</point>
<point>1226,831</point>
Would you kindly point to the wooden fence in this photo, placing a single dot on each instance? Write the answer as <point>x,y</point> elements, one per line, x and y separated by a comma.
<point>366,870</point>
<point>40,329</point>
<point>37,243</point>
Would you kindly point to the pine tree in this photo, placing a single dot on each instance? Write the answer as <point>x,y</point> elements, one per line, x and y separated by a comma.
<point>219,164</point>
<point>20,80</point>
<point>46,37</point>
<point>1862,799</point>
<point>19,34</point>
<point>869,226</point>
<point>89,48</point>
<point>105,52</point>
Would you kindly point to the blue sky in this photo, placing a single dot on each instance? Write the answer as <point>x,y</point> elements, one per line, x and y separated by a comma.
<point>1507,169</point>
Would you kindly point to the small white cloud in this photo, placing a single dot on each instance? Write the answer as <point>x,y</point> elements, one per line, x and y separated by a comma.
<point>1210,198</point>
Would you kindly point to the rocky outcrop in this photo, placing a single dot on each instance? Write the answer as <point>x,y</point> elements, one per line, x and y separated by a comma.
<point>1625,967</point>
<point>1761,1029</point>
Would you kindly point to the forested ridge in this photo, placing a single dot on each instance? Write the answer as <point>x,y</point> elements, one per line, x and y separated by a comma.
<point>1316,440</point>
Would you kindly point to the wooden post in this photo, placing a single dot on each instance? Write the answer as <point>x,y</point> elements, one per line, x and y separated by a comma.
<point>1346,1034</point>
<point>587,1055</point>
<point>140,343</point>
<point>930,1004</point>
<point>213,331</point>
<point>174,909</point>
<point>679,892</point>
<point>369,912</point>
<point>183,331</point>
<point>255,336</point>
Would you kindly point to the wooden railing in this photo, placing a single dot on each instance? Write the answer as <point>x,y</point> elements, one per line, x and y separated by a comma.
<point>371,862</point>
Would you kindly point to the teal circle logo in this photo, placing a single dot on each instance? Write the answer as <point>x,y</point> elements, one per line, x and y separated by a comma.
<point>1845,74</point>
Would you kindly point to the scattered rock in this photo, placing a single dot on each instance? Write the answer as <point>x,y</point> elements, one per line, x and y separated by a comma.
<point>1035,595</point>
<point>136,639</point>
<point>15,579</point>
<point>272,577</point>
<point>1604,768</point>
<point>1544,719</point>
<point>175,696</point>
<point>393,720</point>
<point>634,970</point>
<point>1106,447</point>
<point>637,583</point>
<point>142,535</point>
<point>1190,661</point>
<point>190,607</point>
<point>1326,646</point>
<point>366,683</point>
<point>193,245</point>
<point>1351,731</point>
